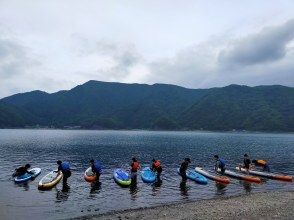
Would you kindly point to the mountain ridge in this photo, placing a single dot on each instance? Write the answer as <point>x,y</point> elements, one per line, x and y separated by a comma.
<point>107,105</point>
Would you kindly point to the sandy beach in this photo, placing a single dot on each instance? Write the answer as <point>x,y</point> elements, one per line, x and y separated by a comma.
<point>268,205</point>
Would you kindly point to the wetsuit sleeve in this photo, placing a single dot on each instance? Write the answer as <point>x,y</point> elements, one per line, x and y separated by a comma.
<point>93,169</point>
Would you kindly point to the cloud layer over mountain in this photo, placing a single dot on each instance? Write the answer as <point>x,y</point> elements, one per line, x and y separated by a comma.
<point>52,45</point>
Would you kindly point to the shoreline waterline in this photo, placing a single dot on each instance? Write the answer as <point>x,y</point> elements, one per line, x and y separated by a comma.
<point>261,205</point>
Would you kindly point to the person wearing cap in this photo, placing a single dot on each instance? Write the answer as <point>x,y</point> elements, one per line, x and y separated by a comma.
<point>220,163</point>
<point>22,170</point>
<point>96,168</point>
<point>184,167</point>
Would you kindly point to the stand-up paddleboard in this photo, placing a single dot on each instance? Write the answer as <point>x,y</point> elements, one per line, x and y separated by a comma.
<point>121,177</point>
<point>148,176</point>
<point>219,179</point>
<point>89,176</point>
<point>266,174</point>
<point>27,176</point>
<point>241,176</point>
<point>50,180</point>
<point>192,175</point>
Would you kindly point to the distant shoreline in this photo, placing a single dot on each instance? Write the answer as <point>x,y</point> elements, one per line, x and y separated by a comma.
<point>208,131</point>
<point>265,205</point>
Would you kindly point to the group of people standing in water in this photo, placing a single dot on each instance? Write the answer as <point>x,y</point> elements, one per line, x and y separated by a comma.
<point>220,164</point>
<point>96,167</point>
<point>156,166</point>
<point>248,164</point>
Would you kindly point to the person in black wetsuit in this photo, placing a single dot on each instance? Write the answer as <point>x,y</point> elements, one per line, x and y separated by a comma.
<point>65,169</point>
<point>246,162</point>
<point>183,168</point>
<point>22,170</point>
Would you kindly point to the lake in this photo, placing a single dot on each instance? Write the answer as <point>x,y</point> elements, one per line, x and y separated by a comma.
<point>42,148</point>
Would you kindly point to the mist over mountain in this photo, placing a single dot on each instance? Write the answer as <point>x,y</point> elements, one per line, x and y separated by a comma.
<point>105,105</point>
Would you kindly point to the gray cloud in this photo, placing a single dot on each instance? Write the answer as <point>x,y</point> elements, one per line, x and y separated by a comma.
<point>267,46</point>
<point>259,59</point>
<point>18,70</point>
<point>119,57</point>
<point>191,67</point>
<point>265,57</point>
<point>12,58</point>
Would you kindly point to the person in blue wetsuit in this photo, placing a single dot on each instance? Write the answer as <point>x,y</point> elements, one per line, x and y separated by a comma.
<point>22,170</point>
<point>65,169</point>
<point>220,163</point>
<point>96,168</point>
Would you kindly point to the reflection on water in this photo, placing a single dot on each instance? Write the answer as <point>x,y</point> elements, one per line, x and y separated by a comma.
<point>156,187</point>
<point>95,187</point>
<point>220,188</point>
<point>184,188</point>
<point>62,195</point>
<point>134,188</point>
<point>157,184</point>
<point>41,148</point>
<point>247,186</point>
<point>25,185</point>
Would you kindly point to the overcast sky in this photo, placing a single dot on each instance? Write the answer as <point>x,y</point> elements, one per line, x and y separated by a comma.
<point>54,45</point>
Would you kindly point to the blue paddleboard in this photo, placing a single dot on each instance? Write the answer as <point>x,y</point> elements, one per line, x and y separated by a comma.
<point>147,175</point>
<point>193,175</point>
<point>122,177</point>
<point>26,177</point>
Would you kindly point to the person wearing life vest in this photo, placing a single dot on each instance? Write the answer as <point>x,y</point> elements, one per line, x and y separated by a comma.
<point>156,167</point>
<point>220,163</point>
<point>135,166</point>
<point>65,169</point>
<point>96,168</point>
<point>263,164</point>
<point>183,168</point>
<point>22,170</point>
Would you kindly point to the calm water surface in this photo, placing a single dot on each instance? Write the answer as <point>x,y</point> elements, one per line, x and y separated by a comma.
<point>114,149</point>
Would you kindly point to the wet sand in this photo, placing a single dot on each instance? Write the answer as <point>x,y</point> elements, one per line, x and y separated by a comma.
<point>268,205</point>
